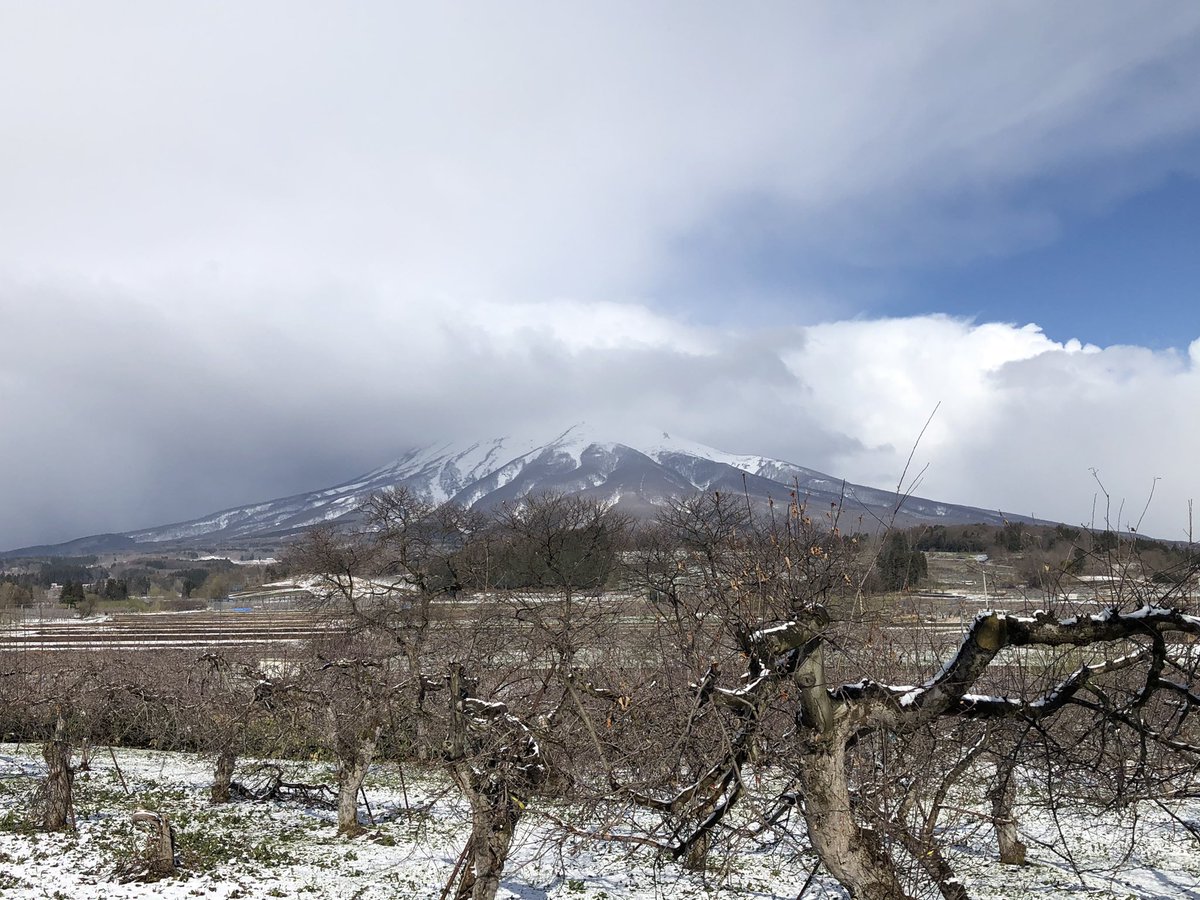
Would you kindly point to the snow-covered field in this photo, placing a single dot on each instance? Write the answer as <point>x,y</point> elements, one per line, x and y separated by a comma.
<point>253,850</point>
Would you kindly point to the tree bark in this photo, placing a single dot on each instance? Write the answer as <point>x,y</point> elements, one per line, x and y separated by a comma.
<point>59,814</point>
<point>490,781</point>
<point>851,854</point>
<point>1003,795</point>
<point>160,851</point>
<point>354,759</point>
<point>934,863</point>
<point>697,855</point>
<point>494,816</point>
<point>222,776</point>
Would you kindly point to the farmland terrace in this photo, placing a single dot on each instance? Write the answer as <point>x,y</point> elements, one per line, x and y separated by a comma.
<point>162,631</point>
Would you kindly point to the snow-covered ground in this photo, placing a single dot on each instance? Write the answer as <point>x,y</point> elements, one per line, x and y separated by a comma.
<point>253,850</point>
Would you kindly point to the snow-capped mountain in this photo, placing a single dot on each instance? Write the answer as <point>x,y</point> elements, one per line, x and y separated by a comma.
<point>639,476</point>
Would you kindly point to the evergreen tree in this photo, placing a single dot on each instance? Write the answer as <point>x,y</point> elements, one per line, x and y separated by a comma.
<point>900,566</point>
<point>72,593</point>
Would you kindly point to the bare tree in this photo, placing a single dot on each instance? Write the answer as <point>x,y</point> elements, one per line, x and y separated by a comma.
<point>1100,673</point>
<point>57,789</point>
<point>355,696</point>
<point>735,658</point>
<point>226,694</point>
<point>496,761</point>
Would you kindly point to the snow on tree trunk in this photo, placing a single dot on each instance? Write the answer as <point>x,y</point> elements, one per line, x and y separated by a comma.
<point>160,850</point>
<point>1003,795</point>
<point>59,812</point>
<point>222,776</point>
<point>494,816</point>
<point>494,781</point>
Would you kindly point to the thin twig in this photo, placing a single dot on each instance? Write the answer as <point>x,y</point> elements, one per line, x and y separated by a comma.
<point>809,880</point>
<point>120,775</point>
<point>370,815</point>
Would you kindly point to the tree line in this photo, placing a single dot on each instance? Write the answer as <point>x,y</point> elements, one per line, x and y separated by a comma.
<point>85,584</point>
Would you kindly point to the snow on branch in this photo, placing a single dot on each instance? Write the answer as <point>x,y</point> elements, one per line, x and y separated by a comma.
<point>948,692</point>
<point>977,705</point>
<point>480,715</point>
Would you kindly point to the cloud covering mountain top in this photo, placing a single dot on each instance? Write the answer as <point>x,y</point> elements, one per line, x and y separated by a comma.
<point>639,480</point>
<point>253,249</point>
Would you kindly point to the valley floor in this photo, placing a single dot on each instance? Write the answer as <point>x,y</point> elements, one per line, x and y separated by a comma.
<point>254,850</point>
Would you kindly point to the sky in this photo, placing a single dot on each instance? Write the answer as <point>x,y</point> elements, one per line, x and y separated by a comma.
<point>249,250</point>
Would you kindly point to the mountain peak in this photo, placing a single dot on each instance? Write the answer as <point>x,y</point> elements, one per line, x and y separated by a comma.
<point>639,476</point>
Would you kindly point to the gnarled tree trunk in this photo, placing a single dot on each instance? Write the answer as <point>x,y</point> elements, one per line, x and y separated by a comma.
<point>85,758</point>
<point>355,753</point>
<point>494,780</point>
<point>222,776</point>
<point>59,812</point>
<point>1003,795</point>
<point>851,853</point>
<point>696,859</point>
<point>494,816</point>
<point>160,848</point>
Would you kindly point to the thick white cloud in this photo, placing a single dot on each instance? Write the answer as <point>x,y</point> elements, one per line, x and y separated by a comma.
<point>255,248</point>
<point>534,150</point>
<point>1021,420</point>
<point>130,417</point>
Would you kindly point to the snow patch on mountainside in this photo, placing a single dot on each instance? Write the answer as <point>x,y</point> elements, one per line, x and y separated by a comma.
<point>644,473</point>
<point>668,445</point>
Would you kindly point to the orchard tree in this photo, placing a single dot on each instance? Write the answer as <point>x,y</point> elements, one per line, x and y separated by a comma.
<point>738,658</point>
<point>826,694</point>
<point>226,696</point>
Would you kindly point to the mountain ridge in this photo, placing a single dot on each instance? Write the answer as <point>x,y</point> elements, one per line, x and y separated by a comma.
<point>485,474</point>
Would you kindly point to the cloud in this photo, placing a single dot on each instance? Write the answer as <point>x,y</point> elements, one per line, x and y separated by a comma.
<point>129,419</point>
<point>1021,420</point>
<point>258,249</point>
<point>578,151</point>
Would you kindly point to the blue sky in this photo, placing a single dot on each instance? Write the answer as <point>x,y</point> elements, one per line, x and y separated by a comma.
<point>254,250</point>
<point>1129,274</point>
<point>1117,270</point>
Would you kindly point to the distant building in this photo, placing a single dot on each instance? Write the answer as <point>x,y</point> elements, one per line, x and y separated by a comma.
<point>278,594</point>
